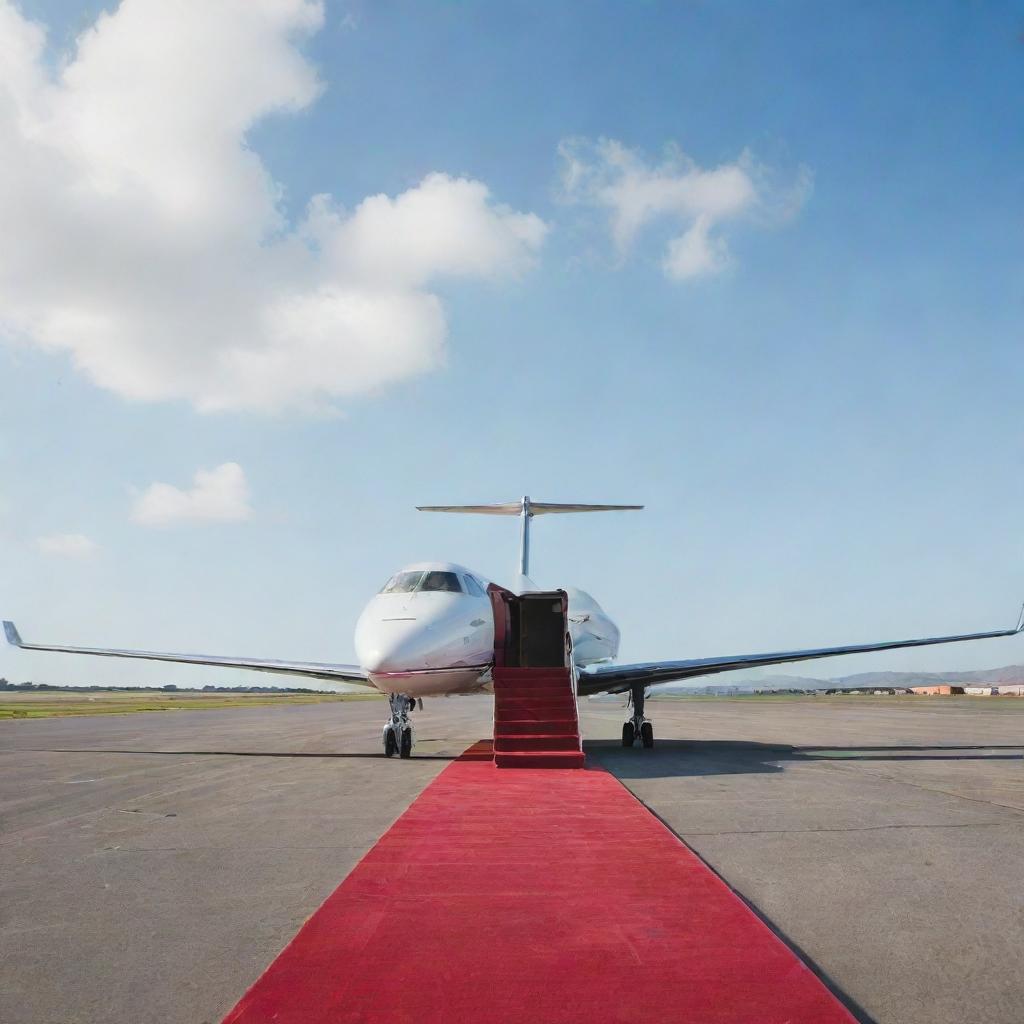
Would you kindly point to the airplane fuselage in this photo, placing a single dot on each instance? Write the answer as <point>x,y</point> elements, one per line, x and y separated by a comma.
<point>430,631</point>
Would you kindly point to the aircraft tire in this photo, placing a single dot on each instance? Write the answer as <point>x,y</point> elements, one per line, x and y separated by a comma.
<point>647,735</point>
<point>628,734</point>
<point>390,747</point>
<point>406,748</point>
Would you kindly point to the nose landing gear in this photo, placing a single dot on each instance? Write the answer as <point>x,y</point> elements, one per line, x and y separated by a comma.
<point>637,727</point>
<point>397,733</point>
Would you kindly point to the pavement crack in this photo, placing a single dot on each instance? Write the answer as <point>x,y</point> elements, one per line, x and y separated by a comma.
<point>927,789</point>
<point>845,828</point>
<point>228,849</point>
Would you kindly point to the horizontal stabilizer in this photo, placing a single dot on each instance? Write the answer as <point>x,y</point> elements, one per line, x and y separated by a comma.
<point>532,508</point>
<point>525,509</point>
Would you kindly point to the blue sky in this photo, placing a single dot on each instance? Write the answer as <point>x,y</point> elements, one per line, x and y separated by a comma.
<point>823,418</point>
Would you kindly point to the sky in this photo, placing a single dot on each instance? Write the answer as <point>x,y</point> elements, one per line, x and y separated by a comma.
<point>273,272</point>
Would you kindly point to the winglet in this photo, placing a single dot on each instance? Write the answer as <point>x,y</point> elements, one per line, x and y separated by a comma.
<point>1020,621</point>
<point>11,632</point>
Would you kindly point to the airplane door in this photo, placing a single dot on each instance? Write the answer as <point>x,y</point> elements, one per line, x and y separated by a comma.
<point>530,629</point>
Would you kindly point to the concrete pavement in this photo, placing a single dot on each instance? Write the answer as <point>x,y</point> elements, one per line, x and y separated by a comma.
<point>152,865</point>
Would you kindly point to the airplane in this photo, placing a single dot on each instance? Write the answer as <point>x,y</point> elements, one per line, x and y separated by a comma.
<point>430,631</point>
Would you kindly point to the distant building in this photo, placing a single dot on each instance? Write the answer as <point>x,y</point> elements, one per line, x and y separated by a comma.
<point>982,691</point>
<point>860,691</point>
<point>942,690</point>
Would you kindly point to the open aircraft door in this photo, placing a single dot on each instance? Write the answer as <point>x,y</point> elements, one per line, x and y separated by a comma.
<point>530,630</point>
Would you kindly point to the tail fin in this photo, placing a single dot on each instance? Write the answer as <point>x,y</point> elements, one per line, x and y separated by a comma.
<point>525,509</point>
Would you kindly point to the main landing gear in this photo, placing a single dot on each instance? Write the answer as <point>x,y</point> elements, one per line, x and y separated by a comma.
<point>637,727</point>
<point>397,732</point>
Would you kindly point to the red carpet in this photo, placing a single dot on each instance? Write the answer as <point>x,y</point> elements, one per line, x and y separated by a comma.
<point>532,897</point>
<point>535,719</point>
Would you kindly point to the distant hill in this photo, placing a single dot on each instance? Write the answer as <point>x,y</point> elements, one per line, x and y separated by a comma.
<point>1006,674</point>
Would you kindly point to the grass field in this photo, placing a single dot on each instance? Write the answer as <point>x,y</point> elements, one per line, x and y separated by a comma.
<point>49,704</point>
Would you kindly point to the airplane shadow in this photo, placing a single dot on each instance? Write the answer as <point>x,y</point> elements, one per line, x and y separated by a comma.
<point>241,753</point>
<point>689,758</point>
<point>670,758</point>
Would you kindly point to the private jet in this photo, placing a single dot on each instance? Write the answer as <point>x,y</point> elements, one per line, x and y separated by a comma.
<point>437,628</point>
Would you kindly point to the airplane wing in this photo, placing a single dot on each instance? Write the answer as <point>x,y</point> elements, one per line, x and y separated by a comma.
<point>307,669</point>
<point>618,678</point>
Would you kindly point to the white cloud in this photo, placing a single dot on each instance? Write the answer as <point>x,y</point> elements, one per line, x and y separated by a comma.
<point>145,239</point>
<point>67,545</point>
<point>635,193</point>
<point>218,495</point>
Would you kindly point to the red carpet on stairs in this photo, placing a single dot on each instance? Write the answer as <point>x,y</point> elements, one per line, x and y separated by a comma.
<point>534,897</point>
<point>535,719</point>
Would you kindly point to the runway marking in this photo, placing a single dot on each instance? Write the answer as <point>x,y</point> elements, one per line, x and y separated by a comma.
<point>534,896</point>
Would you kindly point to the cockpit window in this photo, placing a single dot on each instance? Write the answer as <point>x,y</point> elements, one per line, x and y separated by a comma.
<point>473,586</point>
<point>413,582</point>
<point>402,583</point>
<point>441,581</point>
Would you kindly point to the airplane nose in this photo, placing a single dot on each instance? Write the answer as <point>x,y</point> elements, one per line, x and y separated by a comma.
<point>393,646</point>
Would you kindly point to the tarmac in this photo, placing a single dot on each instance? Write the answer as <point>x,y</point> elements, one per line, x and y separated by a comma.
<point>152,865</point>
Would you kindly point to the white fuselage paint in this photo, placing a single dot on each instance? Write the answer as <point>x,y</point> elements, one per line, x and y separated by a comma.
<point>436,643</point>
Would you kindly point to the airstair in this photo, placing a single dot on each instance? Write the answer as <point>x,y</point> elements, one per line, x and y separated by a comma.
<point>536,724</point>
<point>535,719</point>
